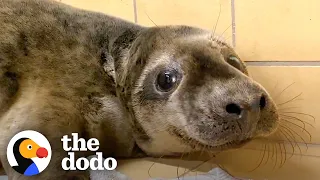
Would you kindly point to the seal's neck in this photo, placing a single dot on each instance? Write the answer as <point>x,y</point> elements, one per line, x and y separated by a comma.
<point>120,57</point>
<point>115,59</point>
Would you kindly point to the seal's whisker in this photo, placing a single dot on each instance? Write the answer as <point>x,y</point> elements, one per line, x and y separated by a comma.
<point>185,169</point>
<point>221,36</point>
<point>272,150</point>
<point>276,148</point>
<point>227,38</point>
<point>275,153</point>
<point>266,150</point>
<point>280,154</point>
<point>212,156</point>
<point>290,133</point>
<point>197,166</point>
<point>267,154</point>
<point>290,100</point>
<point>184,172</point>
<point>283,90</point>
<point>191,141</point>
<point>294,139</point>
<point>152,166</point>
<point>303,128</point>
<point>150,19</point>
<point>286,136</point>
<point>202,151</point>
<point>178,176</point>
<point>281,157</point>
<point>297,119</point>
<point>295,142</point>
<point>284,157</point>
<point>285,154</point>
<point>292,146</point>
<point>300,113</point>
<point>261,159</point>
<point>215,26</point>
<point>281,109</point>
<point>284,120</point>
<point>166,39</point>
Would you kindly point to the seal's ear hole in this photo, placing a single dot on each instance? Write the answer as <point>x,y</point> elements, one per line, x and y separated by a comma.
<point>167,80</point>
<point>139,61</point>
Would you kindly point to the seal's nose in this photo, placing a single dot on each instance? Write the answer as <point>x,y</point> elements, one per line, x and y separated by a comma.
<point>238,108</point>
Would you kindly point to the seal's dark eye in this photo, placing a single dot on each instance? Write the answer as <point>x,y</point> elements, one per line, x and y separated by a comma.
<point>234,61</point>
<point>167,80</point>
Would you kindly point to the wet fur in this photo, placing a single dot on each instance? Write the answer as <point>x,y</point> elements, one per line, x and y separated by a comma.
<point>65,70</point>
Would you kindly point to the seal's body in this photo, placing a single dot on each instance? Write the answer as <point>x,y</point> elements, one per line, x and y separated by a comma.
<point>159,90</point>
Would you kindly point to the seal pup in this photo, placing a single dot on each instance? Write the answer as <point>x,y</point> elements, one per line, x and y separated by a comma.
<point>139,90</point>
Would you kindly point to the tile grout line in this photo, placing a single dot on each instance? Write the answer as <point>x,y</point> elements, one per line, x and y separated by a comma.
<point>249,63</point>
<point>135,11</point>
<point>233,17</point>
<point>283,63</point>
<point>266,63</point>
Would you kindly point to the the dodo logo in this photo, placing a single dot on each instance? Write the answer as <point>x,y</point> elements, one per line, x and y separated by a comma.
<point>29,153</point>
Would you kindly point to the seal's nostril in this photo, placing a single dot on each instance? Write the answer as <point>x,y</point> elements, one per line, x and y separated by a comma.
<point>262,102</point>
<point>233,109</point>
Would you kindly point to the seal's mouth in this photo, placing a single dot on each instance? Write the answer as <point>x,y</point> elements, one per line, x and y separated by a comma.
<point>195,144</point>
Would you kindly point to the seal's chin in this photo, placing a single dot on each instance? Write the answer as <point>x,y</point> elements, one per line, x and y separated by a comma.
<point>200,145</point>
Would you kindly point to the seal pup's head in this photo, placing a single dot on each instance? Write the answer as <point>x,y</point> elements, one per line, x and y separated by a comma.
<point>189,91</point>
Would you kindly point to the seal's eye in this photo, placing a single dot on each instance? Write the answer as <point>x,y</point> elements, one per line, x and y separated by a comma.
<point>29,147</point>
<point>167,80</point>
<point>234,61</point>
